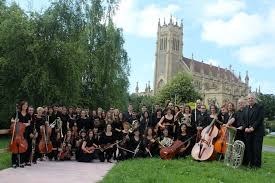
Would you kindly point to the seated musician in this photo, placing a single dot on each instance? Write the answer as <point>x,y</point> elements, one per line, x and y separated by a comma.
<point>150,143</point>
<point>166,140</point>
<point>79,142</point>
<point>167,121</point>
<point>106,141</point>
<point>67,146</point>
<point>136,145</point>
<point>88,149</point>
<point>183,136</point>
<point>124,144</point>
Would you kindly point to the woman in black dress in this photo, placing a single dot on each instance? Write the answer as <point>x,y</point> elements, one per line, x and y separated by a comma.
<point>106,141</point>
<point>88,149</point>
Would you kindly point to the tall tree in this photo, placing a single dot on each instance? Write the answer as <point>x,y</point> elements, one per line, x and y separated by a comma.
<point>178,89</point>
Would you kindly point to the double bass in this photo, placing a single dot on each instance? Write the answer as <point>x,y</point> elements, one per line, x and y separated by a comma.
<point>45,145</point>
<point>204,149</point>
<point>18,142</point>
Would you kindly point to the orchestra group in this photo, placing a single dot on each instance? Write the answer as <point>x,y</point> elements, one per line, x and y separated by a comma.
<point>73,133</point>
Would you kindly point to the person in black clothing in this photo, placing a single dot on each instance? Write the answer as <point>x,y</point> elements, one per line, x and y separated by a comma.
<point>83,122</point>
<point>150,143</point>
<point>106,142</point>
<point>145,122</point>
<point>254,132</point>
<point>88,149</point>
<point>223,117</point>
<point>78,144</point>
<point>65,120</point>
<point>136,145</point>
<point>239,124</point>
<point>203,120</point>
<point>184,136</point>
<point>128,115</point>
<point>23,117</point>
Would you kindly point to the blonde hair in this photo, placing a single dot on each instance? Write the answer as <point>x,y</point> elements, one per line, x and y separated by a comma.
<point>40,109</point>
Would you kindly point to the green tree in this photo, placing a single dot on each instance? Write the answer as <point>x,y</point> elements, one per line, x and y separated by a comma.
<point>179,89</point>
<point>138,101</point>
<point>268,101</point>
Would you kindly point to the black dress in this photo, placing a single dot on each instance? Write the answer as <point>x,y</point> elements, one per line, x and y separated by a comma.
<point>105,141</point>
<point>85,157</point>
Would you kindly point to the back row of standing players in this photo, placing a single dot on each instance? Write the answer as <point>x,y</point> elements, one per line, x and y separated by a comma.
<point>119,135</point>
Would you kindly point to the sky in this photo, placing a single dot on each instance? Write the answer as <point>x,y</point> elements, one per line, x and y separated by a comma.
<point>240,33</point>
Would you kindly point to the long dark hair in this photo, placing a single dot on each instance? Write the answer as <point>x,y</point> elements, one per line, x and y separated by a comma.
<point>21,105</point>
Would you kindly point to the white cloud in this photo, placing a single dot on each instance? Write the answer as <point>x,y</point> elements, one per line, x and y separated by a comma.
<point>240,29</point>
<point>213,62</point>
<point>261,55</point>
<point>142,22</point>
<point>223,8</point>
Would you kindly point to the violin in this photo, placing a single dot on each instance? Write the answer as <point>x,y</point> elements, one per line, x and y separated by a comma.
<point>204,149</point>
<point>45,145</point>
<point>18,143</point>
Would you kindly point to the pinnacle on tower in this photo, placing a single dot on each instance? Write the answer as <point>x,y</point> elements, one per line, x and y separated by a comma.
<point>137,88</point>
<point>171,21</point>
<point>240,76</point>
<point>246,78</point>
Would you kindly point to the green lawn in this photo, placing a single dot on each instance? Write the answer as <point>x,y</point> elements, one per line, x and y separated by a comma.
<point>4,141</point>
<point>5,158</point>
<point>188,170</point>
<point>269,140</point>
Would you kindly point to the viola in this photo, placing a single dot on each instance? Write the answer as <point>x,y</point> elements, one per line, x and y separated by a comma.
<point>45,145</point>
<point>204,149</point>
<point>18,143</point>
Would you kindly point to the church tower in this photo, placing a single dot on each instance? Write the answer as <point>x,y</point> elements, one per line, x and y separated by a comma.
<point>169,48</point>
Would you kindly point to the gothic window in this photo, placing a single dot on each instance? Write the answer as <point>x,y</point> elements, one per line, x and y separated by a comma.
<point>161,44</point>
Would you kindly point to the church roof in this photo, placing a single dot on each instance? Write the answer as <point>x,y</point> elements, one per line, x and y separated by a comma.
<point>209,69</point>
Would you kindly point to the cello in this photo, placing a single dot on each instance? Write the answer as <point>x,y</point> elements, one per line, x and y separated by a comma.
<point>18,142</point>
<point>45,145</point>
<point>204,149</point>
<point>220,145</point>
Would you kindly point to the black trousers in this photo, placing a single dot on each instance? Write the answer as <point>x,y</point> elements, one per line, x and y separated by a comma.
<point>17,159</point>
<point>253,149</point>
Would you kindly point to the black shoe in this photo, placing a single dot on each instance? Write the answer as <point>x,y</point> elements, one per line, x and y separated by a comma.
<point>21,166</point>
<point>28,164</point>
<point>14,166</point>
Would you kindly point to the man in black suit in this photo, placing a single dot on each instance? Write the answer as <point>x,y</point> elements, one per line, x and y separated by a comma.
<point>254,132</point>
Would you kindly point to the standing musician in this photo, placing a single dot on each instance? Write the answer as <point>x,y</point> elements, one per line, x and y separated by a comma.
<point>184,117</point>
<point>21,117</point>
<point>254,132</point>
<point>202,121</point>
<point>106,141</point>
<point>128,115</point>
<point>39,120</point>
<point>240,120</point>
<point>145,122</point>
<point>65,119</point>
<point>223,116</point>
<point>231,115</point>
<point>167,121</point>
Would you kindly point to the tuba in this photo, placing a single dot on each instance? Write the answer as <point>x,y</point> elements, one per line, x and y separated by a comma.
<point>235,150</point>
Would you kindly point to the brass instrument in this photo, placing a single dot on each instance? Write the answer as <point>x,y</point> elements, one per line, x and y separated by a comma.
<point>134,126</point>
<point>235,150</point>
<point>185,120</point>
<point>57,123</point>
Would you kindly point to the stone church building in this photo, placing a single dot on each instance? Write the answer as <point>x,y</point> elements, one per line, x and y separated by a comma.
<point>215,84</point>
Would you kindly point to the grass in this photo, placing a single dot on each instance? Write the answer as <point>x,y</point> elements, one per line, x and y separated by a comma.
<point>5,158</point>
<point>269,141</point>
<point>188,170</point>
<point>4,141</point>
